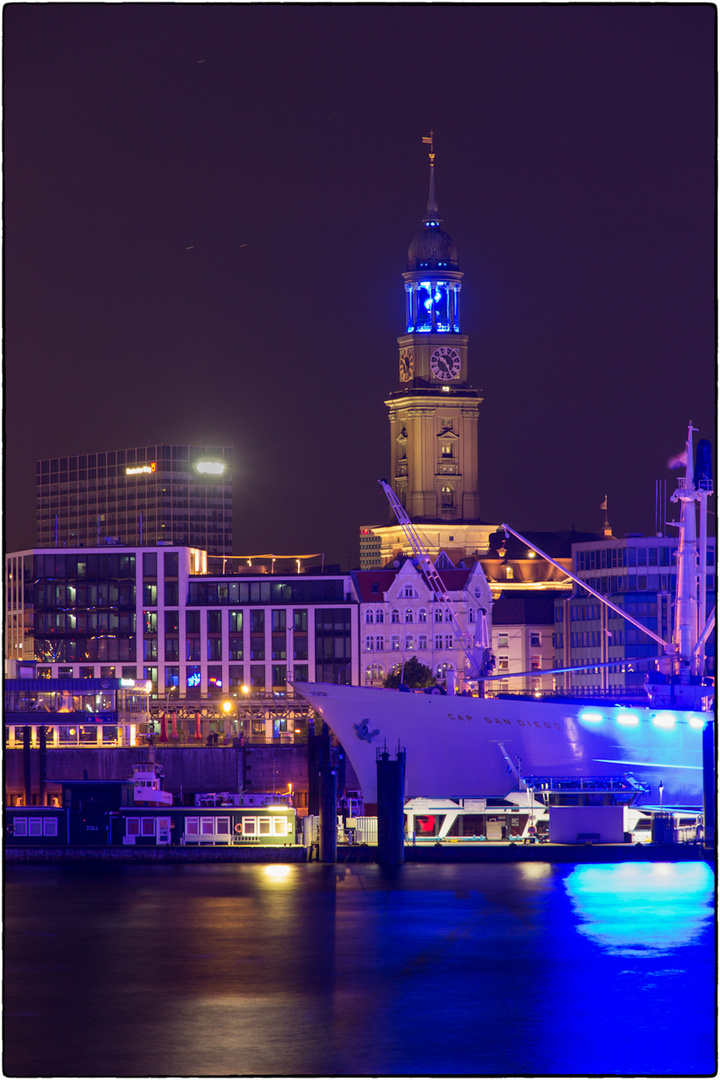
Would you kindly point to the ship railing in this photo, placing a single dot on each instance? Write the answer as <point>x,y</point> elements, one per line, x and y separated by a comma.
<point>626,784</point>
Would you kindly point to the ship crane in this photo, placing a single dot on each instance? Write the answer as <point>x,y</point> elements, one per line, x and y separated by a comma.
<point>679,680</point>
<point>476,646</point>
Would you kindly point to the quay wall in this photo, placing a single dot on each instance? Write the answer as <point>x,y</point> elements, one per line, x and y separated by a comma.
<point>190,769</point>
<point>361,853</point>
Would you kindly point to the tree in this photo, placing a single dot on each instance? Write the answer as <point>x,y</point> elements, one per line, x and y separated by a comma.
<point>415,675</point>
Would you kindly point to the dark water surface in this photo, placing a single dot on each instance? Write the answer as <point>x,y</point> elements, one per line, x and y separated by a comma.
<point>277,970</point>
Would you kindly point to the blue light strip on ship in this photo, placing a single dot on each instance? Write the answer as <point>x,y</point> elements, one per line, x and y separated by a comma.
<point>665,719</point>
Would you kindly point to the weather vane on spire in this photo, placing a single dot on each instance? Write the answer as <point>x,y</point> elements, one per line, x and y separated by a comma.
<point>429,140</point>
<point>432,209</point>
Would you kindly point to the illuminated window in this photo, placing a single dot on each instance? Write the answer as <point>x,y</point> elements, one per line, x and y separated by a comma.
<point>422,615</point>
<point>409,641</point>
<point>408,615</point>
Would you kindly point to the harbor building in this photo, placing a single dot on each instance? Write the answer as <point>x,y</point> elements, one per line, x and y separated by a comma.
<point>639,575</point>
<point>142,496</point>
<point>162,616</point>
<point>434,413</point>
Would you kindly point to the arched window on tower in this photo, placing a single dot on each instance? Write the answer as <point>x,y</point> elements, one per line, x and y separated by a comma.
<point>446,497</point>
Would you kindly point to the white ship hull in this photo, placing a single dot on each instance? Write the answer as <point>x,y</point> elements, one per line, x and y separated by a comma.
<point>464,747</point>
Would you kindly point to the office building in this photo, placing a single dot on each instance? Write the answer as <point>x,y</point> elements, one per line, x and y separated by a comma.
<point>144,496</point>
<point>158,615</point>
<point>639,575</point>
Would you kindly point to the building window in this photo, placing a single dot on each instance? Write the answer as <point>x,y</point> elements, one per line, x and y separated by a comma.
<point>509,573</point>
<point>257,676</point>
<point>408,615</point>
<point>503,641</point>
<point>446,497</point>
<point>236,647</point>
<point>448,641</point>
<point>409,641</point>
<point>369,643</point>
<point>422,642</point>
<point>150,622</point>
<point>503,663</point>
<point>214,648</point>
<point>422,615</point>
<point>409,591</point>
<point>172,677</point>
<point>192,678</point>
<point>394,616</point>
<point>379,615</point>
<point>395,642</point>
<point>379,643</point>
<point>192,649</point>
<point>369,617</point>
<point>172,648</point>
<point>535,638</point>
<point>438,615</point>
<point>438,641</point>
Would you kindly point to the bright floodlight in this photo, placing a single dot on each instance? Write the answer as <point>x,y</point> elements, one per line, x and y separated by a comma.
<point>212,468</point>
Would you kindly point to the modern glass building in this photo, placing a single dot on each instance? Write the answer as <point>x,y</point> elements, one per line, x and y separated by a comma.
<point>158,615</point>
<point>144,496</point>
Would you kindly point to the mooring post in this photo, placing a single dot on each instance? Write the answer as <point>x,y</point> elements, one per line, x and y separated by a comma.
<point>328,814</point>
<point>391,819</point>
<point>27,774</point>
<point>43,765</point>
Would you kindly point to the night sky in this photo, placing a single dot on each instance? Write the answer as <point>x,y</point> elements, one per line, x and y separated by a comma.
<point>207,215</point>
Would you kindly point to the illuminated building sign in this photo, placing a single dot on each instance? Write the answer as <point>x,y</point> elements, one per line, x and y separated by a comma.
<point>133,470</point>
<point>212,468</point>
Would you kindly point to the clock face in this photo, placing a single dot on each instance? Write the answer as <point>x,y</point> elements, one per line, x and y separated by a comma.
<point>445,363</point>
<point>406,364</point>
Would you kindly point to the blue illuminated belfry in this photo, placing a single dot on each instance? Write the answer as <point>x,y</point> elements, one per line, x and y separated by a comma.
<point>432,281</point>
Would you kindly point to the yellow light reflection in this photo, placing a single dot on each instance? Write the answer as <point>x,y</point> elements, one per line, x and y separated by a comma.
<point>277,872</point>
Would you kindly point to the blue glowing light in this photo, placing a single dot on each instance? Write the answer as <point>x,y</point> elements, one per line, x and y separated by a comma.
<point>591,717</point>
<point>629,719</point>
<point>194,680</point>
<point>697,722</point>
<point>664,720</point>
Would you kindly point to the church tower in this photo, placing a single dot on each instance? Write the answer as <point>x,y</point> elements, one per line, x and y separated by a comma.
<point>434,413</point>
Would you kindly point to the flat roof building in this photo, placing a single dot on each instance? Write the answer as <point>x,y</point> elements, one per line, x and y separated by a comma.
<point>143,496</point>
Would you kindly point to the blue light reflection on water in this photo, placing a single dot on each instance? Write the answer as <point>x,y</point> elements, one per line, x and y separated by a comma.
<point>527,969</point>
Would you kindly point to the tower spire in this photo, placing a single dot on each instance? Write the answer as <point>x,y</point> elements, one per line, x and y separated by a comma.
<point>432,208</point>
